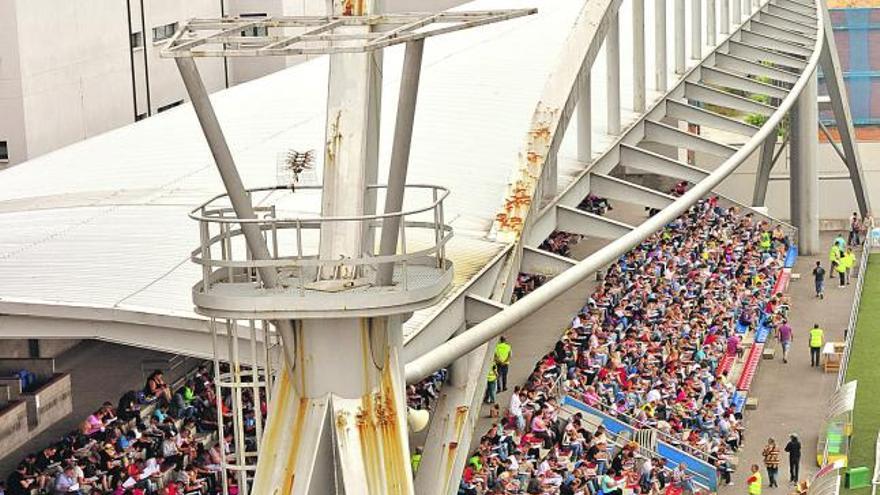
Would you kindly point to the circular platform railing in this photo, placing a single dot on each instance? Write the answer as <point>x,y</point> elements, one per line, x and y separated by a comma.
<point>294,246</point>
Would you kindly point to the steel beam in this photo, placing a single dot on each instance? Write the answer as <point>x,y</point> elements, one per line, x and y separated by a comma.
<point>804,165</point>
<point>584,120</point>
<point>660,66</point>
<point>680,29</point>
<point>718,77</point>
<point>786,23</point>
<point>659,132</point>
<point>710,23</point>
<point>621,190</point>
<point>654,163</point>
<point>809,20</point>
<point>638,39</point>
<point>540,262</point>
<point>725,17</point>
<point>696,115</point>
<point>768,42</point>
<point>765,166</point>
<point>750,52</point>
<point>697,29</point>
<point>759,27</point>
<point>576,221</point>
<point>406,112</point>
<point>794,6</point>
<point>743,66</point>
<point>712,96</point>
<point>834,84</point>
<point>612,89</point>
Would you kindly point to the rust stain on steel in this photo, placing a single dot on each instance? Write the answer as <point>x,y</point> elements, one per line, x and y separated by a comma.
<point>334,141</point>
<point>461,413</point>
<point>378,422</point>
<point>520,193</point>
<point>302,406</point>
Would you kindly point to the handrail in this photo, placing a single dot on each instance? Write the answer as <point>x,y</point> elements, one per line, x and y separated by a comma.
<point>194,214</point>
<point>854,312</point>
<point>875,479</point>
<point>500,322</point>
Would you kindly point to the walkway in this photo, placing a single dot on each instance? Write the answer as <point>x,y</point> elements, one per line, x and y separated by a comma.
<point>792,397</point>
<point>100,371</point>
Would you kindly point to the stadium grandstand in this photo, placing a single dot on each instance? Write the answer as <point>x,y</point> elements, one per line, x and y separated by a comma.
<point>567,248</point>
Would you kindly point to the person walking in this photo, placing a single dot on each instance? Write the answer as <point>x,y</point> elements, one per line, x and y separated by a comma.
<point>819,279</point>
<point>502,361</point>
<point>786,336</point>
<point>771,461</point>
<point>793,447</point>
<point>754,481</point>
<point>840,267</point>
<point>817,339</point>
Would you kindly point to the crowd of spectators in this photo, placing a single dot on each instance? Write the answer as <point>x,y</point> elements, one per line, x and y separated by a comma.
<point>645,347</point>
<point>155,441</point>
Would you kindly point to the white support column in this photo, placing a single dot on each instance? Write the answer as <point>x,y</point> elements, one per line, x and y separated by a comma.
<point>736,15</point>
<point>696,29</point>
<point>612,59</point>
<point>725,16</point>
<point>804,169</point>
<point>660,66</point>
<point>638,25</point>
<point>710,23</point>
<point>747,8</point>
<point>584,121</point>
<point>679,37</point>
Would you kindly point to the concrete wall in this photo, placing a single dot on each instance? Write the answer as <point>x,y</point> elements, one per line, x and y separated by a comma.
<point>48,348</point>
<point>836,199</point>
<point>12,386</point>
<point>44,369</point>
<point>13,426</point>
<point>12,127</point>
<point>49,403</point>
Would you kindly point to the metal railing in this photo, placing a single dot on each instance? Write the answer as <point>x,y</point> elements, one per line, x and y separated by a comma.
<point>226,258</point>
<point>854,312</point>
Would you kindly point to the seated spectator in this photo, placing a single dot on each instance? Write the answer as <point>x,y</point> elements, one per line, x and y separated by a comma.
<point>157,388</point>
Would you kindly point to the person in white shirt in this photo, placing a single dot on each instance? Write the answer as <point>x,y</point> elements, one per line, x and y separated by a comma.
<point>515,409</point>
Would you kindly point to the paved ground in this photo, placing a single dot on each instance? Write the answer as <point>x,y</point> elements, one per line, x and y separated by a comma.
<point>100,371</point>
<point>792,397</point>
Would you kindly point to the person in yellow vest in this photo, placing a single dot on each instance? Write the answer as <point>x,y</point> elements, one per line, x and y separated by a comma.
<point>754,481</point>
<point>491,384</point>
<point>765,243</point>
<point>416,459</point>
<point>502,361</point>
<point>833,258</point>
<point>817,339</point>
<point>840,268</point>
<point>849,260</point>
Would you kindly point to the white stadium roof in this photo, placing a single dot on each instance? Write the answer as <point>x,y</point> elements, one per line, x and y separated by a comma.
<point>99,229</point>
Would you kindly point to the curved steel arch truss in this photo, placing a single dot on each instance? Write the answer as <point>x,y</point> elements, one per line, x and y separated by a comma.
<point>774,53</point>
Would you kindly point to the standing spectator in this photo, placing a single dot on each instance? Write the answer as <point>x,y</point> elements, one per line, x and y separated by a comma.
<point>819,278</point>
<point>840,268</point>
<point>754,481</point>
<point>849,260</point>
<point>785,338</point>
<point>491,384</point>
<point>793,447</point>
<point>515,409</point>
<point>855,227</point>
<point>502,361</point>
<point>817,339</point>
<point>771,461</point>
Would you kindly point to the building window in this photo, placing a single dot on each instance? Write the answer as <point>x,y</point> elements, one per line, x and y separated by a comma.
<point>255,30</point>
<point>169,106</point>
<point>137,40</point>
<point>4,151</point>
<point>162,33</point>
